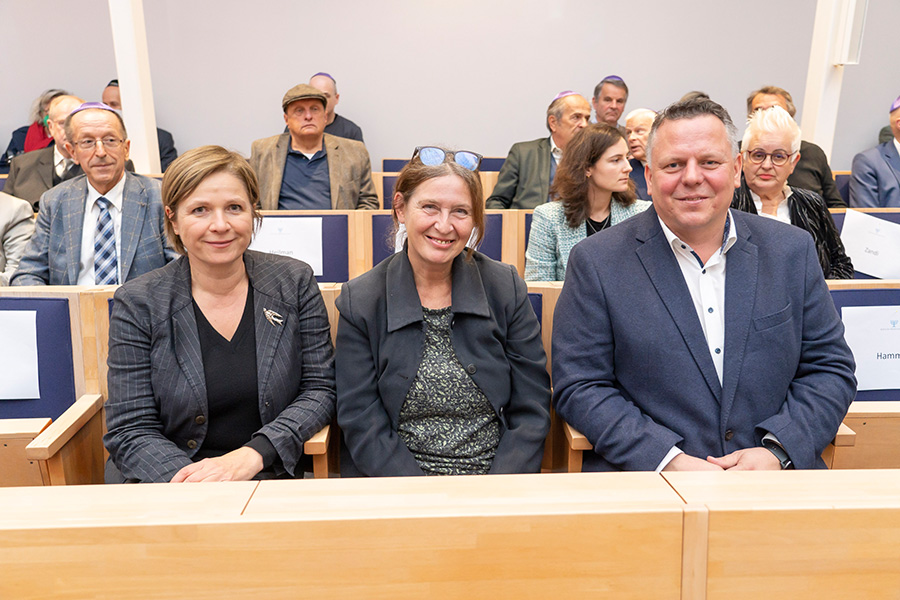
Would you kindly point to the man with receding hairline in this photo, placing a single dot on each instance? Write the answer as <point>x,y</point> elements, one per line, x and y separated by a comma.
<point>335,124</point>
<point>104,227</point>
<point>33,173</point>
<point>695,337</point>
<point>525,178</point>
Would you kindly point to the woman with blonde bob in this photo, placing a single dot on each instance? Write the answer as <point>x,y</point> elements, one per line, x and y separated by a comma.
<point>440,367</point>
<point>220,363</point>
<point>771,150</point>
<point>591,191</point>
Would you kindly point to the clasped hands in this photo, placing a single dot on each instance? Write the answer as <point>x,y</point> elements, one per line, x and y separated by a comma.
<point>748,459</point>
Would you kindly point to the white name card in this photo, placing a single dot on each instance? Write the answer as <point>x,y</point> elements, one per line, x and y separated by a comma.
<point>297,237</point>
<point>18,355</point>
<point>872,244</point>
<point>873,334</point>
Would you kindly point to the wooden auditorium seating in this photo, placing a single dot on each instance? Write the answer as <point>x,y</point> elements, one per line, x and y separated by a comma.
<point>69,449</point>
<point>386,180</point>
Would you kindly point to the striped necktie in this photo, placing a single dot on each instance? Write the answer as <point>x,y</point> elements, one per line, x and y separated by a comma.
<point>105,258</point>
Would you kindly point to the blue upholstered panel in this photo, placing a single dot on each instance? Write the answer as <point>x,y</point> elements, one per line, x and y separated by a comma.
<point>56,371</point>
<point>393,165</point>
<point>387,187</point>
<point>537,303</point>
<point>885,297</point>
<point>842,182</point>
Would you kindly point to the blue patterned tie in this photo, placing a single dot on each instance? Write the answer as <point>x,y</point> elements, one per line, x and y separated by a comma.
<point>105,259</point>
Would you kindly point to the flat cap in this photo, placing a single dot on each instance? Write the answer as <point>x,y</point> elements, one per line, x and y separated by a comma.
<point>302,91</point>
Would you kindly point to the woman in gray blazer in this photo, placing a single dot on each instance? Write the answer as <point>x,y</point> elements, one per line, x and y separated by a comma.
<point>440,367</point>
<point>591,191</point>
<point>220,363</point>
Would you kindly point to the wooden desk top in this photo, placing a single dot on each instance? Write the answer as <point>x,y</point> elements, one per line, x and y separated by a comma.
<point>764,490</point>
<point>115,505</point>
<point>491,495</point>
<point>18,428</point>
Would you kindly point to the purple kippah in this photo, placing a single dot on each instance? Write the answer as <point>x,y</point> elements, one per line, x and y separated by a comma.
<point>324,74</point>
<point>895,105</point>
<point>612,78</point>
<point>90,105</point>
<point>563,94</point>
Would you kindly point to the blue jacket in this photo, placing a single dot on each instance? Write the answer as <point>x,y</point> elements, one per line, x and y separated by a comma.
<point>875,178</point>
<point>632,369</point>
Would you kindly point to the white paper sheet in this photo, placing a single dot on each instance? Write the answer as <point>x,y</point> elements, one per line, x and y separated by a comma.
<point>18,355</point>
<point>297,237</point>
<point>872,244</point>
<point>873,334</point>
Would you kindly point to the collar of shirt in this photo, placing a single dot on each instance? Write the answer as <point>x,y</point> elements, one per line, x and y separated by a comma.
<point>782,213</point>
<point>60,162</point>
<point>729,237</point>
<point>114,195</point>
<point>555,151</point>
<point>897,145</point>
<point>310,157</point>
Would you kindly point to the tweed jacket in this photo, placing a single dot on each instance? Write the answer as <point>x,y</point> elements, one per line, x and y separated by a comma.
<point>349,171</point>
<point>30,175</point>
<point>16,228</point>
<point>157,413</point>
<point>808,211</point>
<point>380,342</point>
<point>551,239</point>
<point>53,256</point>
<point>875,178</point>
<point>524,178</point>
<point>632,368</point>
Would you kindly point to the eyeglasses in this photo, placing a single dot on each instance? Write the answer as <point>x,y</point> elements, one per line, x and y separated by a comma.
<point>110,143</point>
<point>432,156</point>
<point>779,157</point>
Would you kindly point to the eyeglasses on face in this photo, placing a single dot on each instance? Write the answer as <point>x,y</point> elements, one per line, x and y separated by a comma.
<point>110,143</point>
<point>779,157</point>
<point>432,156</point>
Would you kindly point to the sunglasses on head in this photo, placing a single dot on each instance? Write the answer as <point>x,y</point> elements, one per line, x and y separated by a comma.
<point>432,156</point>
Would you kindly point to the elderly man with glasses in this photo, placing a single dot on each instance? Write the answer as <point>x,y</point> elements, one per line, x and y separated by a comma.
<point>104,227</point>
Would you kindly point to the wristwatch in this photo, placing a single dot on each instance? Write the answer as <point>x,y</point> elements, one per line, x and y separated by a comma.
<point>780,454</point>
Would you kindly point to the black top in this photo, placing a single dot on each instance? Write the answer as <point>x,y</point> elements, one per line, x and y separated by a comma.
<point>593,226</point>
<point>232,393</point>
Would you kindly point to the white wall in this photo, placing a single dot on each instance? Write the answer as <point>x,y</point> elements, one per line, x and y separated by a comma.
<point>469,74</point>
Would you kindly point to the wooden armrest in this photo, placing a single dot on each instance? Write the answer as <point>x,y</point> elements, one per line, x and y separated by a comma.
<point>318,444</point>
<point>845,436</point>
<point>576,439</point>
<point>64,428</point>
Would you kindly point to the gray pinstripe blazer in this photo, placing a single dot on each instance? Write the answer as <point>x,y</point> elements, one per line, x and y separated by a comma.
<point>157,410</point>
<point>53,255</point>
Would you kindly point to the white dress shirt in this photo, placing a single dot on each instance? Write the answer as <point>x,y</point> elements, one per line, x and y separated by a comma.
<point>88,229</point>
<point>706,284</point>
<point>782,213</point>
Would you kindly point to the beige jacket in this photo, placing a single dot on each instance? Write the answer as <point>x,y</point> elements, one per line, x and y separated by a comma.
<point>349,171</point>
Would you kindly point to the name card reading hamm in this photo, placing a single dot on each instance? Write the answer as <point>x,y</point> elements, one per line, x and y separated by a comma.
<point>873,334</point>
<point>298,236</point>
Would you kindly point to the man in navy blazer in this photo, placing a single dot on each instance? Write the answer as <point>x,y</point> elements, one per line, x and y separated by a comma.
<point>61,252</point>
<point>662,361</point>
<point>875,174</point>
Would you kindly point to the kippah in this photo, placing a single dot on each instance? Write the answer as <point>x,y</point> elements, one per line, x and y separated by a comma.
<point>113,83</point>
<point>324,74</point>
<point>895,105</point>
<point>563,94</point>
<point>97,105</point>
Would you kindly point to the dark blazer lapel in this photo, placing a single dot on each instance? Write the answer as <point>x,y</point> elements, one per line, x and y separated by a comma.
<point>335,167</point>
<point>73,225</point>
<point>544,159</point>
<point>741,275</point>
<point>892,159</point>
<point>45,167</point>
<point>186,337</point>
<point>268,333</point>
<point>134,213</point>
<point>664,272</point>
